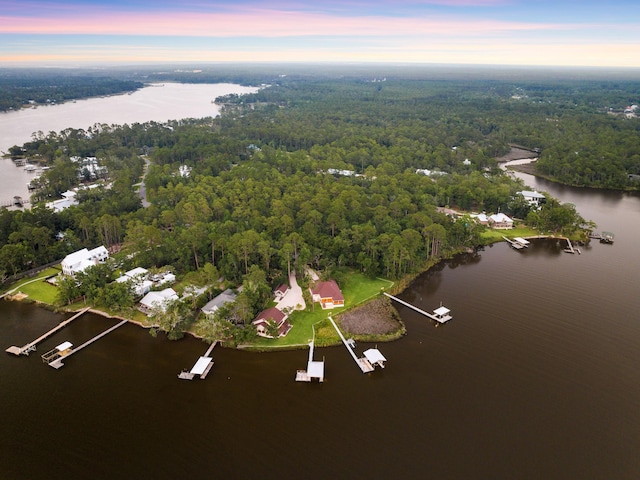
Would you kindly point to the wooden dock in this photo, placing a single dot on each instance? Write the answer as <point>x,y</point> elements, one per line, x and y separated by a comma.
<point>202,367</point>
<point>31,346</point>
<point>363,363</point>
<point>440,315</point>
<point>570,248</point>
<point>314,369</point>
<point>515,244</point>
<point>57,363</point>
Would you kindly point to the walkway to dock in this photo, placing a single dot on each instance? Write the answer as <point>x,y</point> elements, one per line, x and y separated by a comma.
<point>31,346</point>
<point>363,363</point>
<point>202,367</point>
<point>570,248</point>
<point>58,362</point>
<point>440,315</point>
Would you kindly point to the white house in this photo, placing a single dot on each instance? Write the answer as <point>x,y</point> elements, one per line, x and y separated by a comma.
<point>68,199</point>
<point>162,278</point>
<point>532,197</point>
<point>78,261</point>
<point>344,173</point>
<point>138,278</point>
<point>154,300</point>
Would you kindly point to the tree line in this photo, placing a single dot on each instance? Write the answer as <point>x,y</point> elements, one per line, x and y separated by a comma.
<point>23,87</point>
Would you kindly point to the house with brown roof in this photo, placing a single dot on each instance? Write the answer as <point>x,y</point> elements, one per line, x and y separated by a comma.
<point>328,294</point>
<point>272,316</point>
<point>281,291</point>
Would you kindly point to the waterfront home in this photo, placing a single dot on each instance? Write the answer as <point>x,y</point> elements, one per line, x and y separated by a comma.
<point>328,294</point>
<point>500,221</point>
<point>225,297</point>
<point>82,259</point>
<point>532,197</point>
<point>272,316</point>
<point>157,300</point>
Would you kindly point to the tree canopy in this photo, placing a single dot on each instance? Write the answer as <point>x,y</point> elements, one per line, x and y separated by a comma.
<point>329,172</point>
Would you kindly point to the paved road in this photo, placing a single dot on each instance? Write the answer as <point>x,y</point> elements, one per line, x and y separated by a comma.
<point>142,191</point>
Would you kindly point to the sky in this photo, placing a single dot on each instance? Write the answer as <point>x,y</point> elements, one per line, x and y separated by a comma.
<point>595,33</point>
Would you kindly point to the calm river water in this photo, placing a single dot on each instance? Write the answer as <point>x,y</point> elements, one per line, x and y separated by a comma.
<point>536,377</point>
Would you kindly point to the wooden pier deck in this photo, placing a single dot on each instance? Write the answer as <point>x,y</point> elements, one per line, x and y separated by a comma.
<point>315,369</point>
<point>58,362</point>
<point>440,315</point>
<point>569,248</point>
<point>31,346</point>
<point>515,244</point>
<point>362,363</point>
<point>202,367</point>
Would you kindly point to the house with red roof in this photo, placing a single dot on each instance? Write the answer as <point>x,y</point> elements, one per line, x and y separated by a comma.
<point>281,291</point>
<point>272,316</point>
<point>328,294</point>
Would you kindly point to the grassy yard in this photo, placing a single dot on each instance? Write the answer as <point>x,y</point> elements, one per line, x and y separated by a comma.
<point>41,276</point>
<point>357,288</point>
<point>36,288</point>
<point>492,235</point>
<point>41,291</point>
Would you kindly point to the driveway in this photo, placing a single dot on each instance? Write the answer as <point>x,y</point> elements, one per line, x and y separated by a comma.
<point>293,299</point>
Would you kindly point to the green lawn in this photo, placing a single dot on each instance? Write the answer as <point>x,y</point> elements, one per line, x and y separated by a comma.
<point>492,235</point>
<point>41,291</point>
<point>357,288</point>
<point>42,275</point>
<point>36,288</point>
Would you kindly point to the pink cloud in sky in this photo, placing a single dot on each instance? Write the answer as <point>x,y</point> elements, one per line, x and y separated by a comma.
<point>257,24</point>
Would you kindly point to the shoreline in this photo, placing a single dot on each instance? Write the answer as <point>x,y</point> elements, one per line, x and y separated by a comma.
<point>516,153</point>
<point>398,287</point>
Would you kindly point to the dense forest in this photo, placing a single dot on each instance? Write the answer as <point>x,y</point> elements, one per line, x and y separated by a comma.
<point>333,171</point>
<point>20,88</point>
<point>601,152</point>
